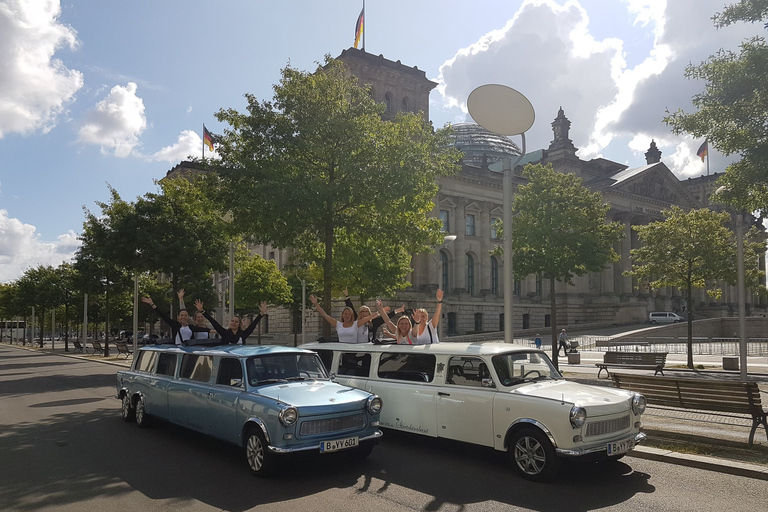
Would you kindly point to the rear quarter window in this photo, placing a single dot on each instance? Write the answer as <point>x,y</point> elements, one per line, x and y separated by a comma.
<point>410,367</point>
<point>146,361</point>
<point>196,367</point>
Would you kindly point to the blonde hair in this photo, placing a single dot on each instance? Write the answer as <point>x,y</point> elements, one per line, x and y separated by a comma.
<point>410,325</point>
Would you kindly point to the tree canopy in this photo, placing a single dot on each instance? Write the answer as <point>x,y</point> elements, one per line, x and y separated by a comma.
<point>318,169</point>
<point>691,250</point>
<point>732,112</point>
<point>560,231</point>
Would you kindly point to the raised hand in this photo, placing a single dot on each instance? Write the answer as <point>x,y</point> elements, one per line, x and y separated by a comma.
<point>263,308</point>
<point>180,294</point>
<point>313,299</point>
<point>439,295</point>
<point>199,304</point>
<point>147,300</point>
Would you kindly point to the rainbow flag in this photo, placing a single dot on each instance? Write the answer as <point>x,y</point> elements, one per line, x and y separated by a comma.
<point>702,152</point>
<point>207,138</point>
<point>359,26</point>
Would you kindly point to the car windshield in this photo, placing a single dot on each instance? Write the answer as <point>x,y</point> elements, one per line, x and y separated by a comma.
<point>284,368</point>
<point>517,367</point>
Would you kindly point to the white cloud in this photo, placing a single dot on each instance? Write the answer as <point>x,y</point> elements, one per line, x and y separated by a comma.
<point>116,122</point>
<point>548,52</point>
<point>35,87</point>
<point>189,144</point>
<point>21,248</point>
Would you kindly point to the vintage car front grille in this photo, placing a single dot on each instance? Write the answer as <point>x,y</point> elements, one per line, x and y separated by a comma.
<point>309,428</point>
<point>599,428</point>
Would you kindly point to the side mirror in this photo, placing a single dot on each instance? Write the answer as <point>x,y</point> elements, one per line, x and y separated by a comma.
<point>236,383</point>
<point>487,383</point>
<point>333,376</point>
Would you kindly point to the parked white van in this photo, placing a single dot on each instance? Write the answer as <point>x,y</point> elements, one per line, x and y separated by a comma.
<point>665,317</point>
<point>505,396</point>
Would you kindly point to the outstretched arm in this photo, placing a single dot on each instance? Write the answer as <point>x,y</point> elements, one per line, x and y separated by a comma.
<point>180,295</point>
<point>249,330</point>
<point>166,319</point>
<point>216,325</point>
<point>348,303</point>
<point>438,309</point>
<point>322,312</point>
<point>383,315</point>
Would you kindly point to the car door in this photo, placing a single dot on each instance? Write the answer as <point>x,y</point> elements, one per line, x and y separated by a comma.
<point>464,405</point>
<point>188,396</point>
<point>223,398</point>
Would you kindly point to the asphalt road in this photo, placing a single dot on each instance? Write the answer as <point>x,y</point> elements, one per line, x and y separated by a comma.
<point>64,447</point>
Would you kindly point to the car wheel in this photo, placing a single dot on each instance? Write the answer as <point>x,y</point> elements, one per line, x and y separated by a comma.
<point>127,410</point>
<point>533,455</point>
<point>142,418</point>
<point>654,322</point>
<point>257,455</point>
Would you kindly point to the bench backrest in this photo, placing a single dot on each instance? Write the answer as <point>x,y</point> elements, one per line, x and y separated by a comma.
<point>121,346</point>
<point>96,345</point>
<point>77,344</point>
<point>707,395</point>
<point>617,357</point>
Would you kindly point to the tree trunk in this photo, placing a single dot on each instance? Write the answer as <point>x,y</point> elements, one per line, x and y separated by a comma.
<point>106,323</point>
<point>328,275</point>
<point>553,322</point>
<point>689,343</point>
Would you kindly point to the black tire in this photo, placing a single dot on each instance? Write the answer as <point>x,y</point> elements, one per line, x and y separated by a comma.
<point>143,420</point>
<point>257,455</point>
<point>654,322</point>
<point>127,410</point>
<point>533,455</point>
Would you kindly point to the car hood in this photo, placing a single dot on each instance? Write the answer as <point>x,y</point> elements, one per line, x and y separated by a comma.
<point>317,397</point>
<point>597,400</point>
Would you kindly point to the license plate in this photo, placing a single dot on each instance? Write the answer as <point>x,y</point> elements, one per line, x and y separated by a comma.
<point>338,444</point>
<point>619,447</point>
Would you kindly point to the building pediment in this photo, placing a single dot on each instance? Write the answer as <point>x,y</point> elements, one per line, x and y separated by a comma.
<point>655,182</point>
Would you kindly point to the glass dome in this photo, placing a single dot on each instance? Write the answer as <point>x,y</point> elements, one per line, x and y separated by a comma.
<point>476,142</point>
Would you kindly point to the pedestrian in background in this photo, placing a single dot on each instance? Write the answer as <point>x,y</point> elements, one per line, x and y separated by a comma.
<point>563,343</point>
<point>537,341</point>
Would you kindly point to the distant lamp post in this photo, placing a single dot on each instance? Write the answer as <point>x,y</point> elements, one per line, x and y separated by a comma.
<point>740,290</point>
<point>504,111</point>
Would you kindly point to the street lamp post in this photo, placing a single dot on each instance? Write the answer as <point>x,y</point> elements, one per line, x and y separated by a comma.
<point>505,111</point>
<point>447,239</point>
<point>740,291</point>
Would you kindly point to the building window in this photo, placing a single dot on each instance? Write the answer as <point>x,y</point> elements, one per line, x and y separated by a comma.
<point>404,105</point>
<point>470,225</point>
<point>494,234</point>
<point>271,255</point>
<point>517,286</point>
<point>470,274</point>
<point>538,284</point>
<point>444,219</point>
<point>452,323</point>
<point>494,275</point>
<point>478,322</point>
<point>388,103</point>
<point>444,271</point>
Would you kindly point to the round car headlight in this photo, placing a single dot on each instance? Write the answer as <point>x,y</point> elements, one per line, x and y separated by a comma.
<point>638,404</point>
<point>288,416</point>
<point>374,404</point>
<point>578,416</point>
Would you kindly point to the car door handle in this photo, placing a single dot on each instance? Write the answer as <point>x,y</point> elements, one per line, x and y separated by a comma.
<point>440,393</point>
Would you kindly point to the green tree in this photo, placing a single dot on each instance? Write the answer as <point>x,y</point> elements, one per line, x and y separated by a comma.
<point>317,169</point>
<point>732,112</point>
<point>259,280</point>
<point>691,250</point>
<point>559,231</point>
<point>38,288</point>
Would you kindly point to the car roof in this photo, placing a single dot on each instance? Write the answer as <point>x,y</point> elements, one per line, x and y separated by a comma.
<point>449,348</point>
<point>227,350</point>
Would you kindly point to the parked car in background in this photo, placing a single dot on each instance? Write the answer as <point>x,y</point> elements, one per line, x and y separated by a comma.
<point>504,396</point>
<point>149,339</point>
<point>271,400</point>
<point>664,317</point>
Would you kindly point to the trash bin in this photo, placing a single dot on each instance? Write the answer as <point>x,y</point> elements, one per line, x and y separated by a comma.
<point>574,358</point>
<point>730,363</point>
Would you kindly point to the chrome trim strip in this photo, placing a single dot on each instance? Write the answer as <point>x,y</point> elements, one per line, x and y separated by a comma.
<point>537,424</point>
<point>578,452</point>
<point>275,449</point>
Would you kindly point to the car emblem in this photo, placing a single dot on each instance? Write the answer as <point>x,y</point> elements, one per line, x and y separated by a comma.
<point>331,399</point>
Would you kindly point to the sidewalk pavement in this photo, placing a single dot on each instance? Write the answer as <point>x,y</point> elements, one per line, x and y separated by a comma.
<point>710,441</point>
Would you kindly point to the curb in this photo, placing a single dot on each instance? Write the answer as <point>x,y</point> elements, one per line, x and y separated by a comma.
<point>700,462</point>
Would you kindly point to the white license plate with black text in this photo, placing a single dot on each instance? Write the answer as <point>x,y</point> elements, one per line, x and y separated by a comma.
<point>619,447</point>
<point>338,444</point>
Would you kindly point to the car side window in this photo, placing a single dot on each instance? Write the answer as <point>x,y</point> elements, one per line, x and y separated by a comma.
<point>230,369</point>
<point>466,371</point>
<point>357,364</point>
<point>412,367</point>
<point>166,364</point>
<point>146,362</point>
<point>196,367</point>
<point>326,356</point>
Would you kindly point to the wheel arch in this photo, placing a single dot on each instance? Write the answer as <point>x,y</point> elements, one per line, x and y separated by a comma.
<point>254,422</point>
<point>523,423</point>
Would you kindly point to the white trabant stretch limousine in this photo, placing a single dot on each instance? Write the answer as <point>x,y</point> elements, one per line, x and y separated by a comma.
<point>499,395</point>
<point>270,400</point>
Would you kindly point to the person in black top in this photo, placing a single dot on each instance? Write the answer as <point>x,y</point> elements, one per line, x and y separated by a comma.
<point>375,323</point>
<point>180,331</point>
<point>234,335</point>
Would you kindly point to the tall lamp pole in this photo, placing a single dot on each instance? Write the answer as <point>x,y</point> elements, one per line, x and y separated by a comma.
<point>504,111</point>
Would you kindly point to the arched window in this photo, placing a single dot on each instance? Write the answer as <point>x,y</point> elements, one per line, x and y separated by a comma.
<point>470,274</point>
<point>494,275</point>
<point>444,271</point>
<point>389,109</point>
<point>404,105</point>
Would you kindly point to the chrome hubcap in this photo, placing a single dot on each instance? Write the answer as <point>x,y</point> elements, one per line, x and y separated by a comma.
<point>255,452</point>
<point>530,456</point>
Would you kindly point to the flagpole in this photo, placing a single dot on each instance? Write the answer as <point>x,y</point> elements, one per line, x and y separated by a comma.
<point>364,25</point>
<point>707,158</point>
<point>203,141</point>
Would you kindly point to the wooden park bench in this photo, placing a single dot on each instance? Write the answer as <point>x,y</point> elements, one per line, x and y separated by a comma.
<point>97,348</point>
<point>638,360</point>
<point>78,346</point>
<point>724,396</point>
<point>122,348</point>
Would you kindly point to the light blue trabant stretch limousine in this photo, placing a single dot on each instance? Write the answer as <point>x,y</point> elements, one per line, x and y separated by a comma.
<point>270,400</point>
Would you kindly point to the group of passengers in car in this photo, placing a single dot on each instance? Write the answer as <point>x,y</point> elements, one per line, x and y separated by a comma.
<point>183,330</point>
<point>412,327</point>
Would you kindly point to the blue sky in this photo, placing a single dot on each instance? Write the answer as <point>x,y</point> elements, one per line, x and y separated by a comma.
<point>95,93</point>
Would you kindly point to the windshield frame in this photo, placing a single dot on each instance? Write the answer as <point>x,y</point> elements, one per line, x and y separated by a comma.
<point>284,367</point>
<point>510,371</point>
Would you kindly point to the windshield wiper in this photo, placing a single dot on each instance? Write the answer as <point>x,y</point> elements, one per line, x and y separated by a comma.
<point>270,381</point>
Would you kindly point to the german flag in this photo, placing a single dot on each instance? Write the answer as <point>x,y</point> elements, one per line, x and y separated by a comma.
<point>702,152</point>
<point>207,138</point>
<point>359,26</point>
